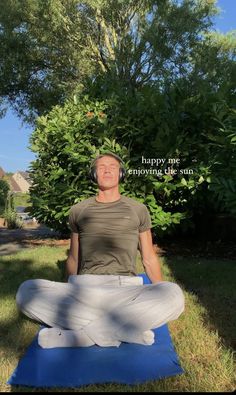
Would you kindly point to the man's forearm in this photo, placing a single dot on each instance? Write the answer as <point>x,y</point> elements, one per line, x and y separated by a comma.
<point>71,267</point>
<point>152,267</point>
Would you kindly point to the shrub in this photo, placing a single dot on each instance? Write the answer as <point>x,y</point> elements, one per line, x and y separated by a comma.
<point>196,131</point>
<point>66,140</point>
<point>4,189</point>
<point>10,215</point>
<point>12,219</point>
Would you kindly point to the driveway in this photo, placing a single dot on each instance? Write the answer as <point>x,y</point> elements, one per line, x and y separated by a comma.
<point>13,240</point>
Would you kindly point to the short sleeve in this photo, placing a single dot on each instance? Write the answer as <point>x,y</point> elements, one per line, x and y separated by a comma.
<point>145,219</point>
<point>72,221</point>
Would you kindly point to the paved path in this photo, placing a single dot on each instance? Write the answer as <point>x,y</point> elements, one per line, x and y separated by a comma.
<point>11,240</point>
<point>11,248</point>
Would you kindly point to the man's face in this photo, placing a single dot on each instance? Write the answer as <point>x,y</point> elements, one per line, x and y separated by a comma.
<point>108,169</point>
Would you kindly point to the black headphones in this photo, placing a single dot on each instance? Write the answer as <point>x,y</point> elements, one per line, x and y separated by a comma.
<point>93,173</point>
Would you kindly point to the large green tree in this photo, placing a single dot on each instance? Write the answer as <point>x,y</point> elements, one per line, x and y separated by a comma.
<point>52,48</point>
<point>152,69</point>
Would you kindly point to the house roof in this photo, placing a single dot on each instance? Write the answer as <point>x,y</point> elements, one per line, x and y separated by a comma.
<point>13,185</point>
<point>2,172</point>
<point>25,175</point>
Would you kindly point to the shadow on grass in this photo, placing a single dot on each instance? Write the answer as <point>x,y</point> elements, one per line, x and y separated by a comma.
<point>12,274</point>
<point>14,339</point>
<point>213,282</point>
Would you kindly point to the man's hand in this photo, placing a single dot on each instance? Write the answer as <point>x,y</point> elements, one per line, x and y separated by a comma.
<point>73,257</point>
<point>150,259</point>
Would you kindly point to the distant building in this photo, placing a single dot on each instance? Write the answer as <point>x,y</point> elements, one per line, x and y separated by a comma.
<point>20,181</point>
<point>14,187</point>
<point>2,173</point>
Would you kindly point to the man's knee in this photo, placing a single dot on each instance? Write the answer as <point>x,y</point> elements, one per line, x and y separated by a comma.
<point>172,294</point>
<point>177,297</point>
<point>23,294</point>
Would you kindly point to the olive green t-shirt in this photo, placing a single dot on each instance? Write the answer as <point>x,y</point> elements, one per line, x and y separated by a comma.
<point>108,234</point>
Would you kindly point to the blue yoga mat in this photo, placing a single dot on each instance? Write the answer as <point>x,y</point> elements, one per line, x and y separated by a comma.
<point>75,367</point>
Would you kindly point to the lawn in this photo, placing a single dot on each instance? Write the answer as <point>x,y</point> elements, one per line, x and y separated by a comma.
<point>203,336</point>
<point>21,199</point>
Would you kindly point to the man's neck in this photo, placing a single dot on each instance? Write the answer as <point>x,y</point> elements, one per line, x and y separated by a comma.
<point>108,196</point>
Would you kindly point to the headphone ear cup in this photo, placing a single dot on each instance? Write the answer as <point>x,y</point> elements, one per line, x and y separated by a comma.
<point>93,174</point>
<point>122,174</point>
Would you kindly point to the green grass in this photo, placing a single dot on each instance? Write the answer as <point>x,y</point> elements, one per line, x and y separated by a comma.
<point>19,199</point>
<point>22,199</point>
<point>203,336</point>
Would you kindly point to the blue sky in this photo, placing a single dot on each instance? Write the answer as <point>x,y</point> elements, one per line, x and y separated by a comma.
<point>14,137</point>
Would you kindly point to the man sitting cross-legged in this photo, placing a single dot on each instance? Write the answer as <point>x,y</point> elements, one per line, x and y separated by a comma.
<point>104,302</point>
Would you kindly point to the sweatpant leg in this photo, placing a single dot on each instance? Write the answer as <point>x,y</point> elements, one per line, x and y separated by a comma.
<point>156,305</point>
<point>69,305</point>
<point>72,306</point>
<point>104,312</point>
<point>153,306</point>
<point>60,305</point>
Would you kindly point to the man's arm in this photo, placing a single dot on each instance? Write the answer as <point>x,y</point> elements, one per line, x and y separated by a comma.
<point>150,259</point>
<point>72,263</point>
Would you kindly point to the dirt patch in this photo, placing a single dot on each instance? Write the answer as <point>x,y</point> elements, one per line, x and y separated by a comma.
<point>50,243</point>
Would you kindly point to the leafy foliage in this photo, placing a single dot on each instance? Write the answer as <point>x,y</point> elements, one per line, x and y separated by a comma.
<point>12,218</point>
<point>194,134</point>
<point>66,141</point>
<point>4,188</point>
<point>145,79</point>
<point>52,49</point>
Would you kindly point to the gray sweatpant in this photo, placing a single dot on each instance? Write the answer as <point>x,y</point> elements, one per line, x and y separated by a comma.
<point>101,304</point>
